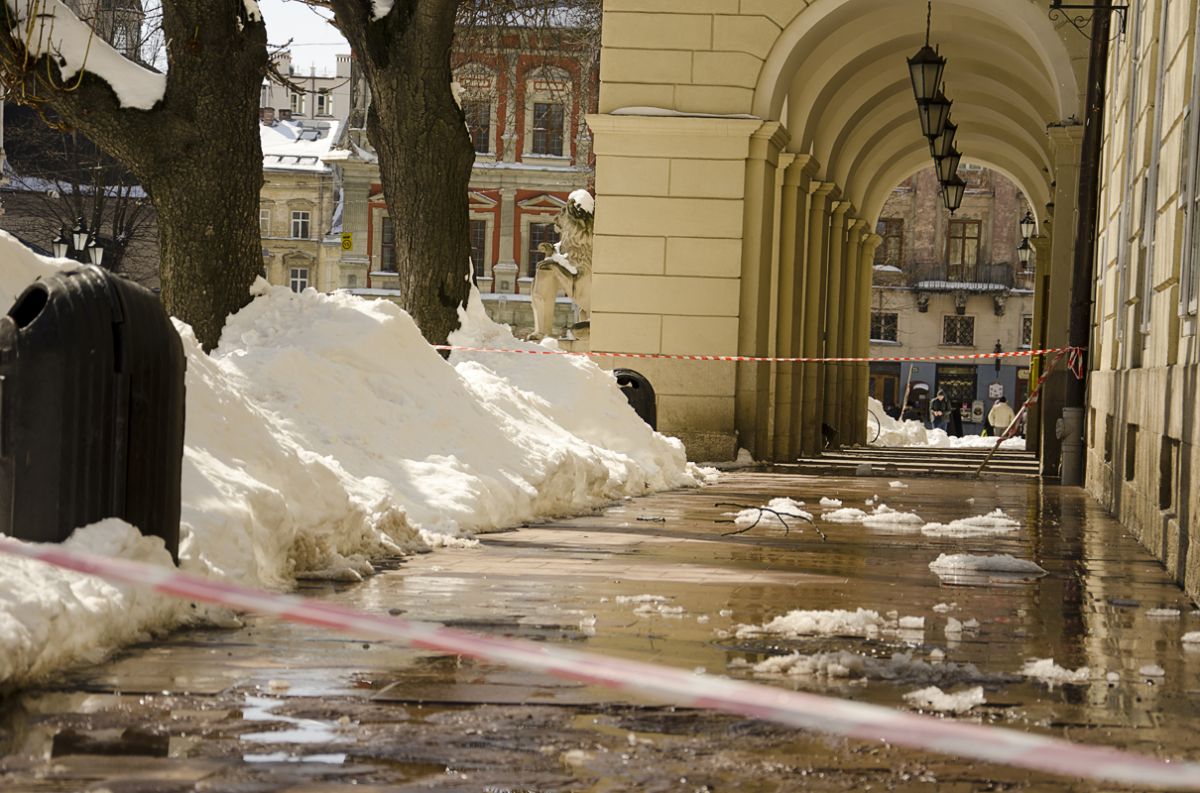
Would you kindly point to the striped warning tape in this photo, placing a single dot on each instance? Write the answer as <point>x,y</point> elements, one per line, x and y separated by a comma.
<point>798,709</point>
<point>974,356</point>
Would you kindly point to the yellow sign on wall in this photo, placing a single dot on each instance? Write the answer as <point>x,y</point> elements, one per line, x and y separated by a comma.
<point>347,240</point>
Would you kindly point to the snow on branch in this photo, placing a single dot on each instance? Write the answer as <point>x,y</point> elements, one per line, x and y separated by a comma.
<point>50,28</point>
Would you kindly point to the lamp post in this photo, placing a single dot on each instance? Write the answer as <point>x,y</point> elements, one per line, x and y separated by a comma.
<point>80,244</point>
<point>952,192</point>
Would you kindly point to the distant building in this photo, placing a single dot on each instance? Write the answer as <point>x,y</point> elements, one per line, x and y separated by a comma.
<point>299,206</point>
<point>951,284</point>
<point>308,96</point>
<point>525,98</point>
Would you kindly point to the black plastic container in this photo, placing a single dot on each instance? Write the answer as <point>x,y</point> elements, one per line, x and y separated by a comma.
<point>91,409</point>
<point>640,393</point>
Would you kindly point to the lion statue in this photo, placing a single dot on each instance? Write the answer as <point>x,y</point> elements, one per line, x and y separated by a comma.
<point>567,265</point>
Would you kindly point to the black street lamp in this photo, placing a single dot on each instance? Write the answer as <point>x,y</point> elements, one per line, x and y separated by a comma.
<point>952,192</point>
<point>934,113</point>
<point>1024,252</point>
<point>79,234</point>
<point>926,66</point>
<point>943,144</point>
<point>1028,225</point>
<point>947,166</point>
<point>80,245</point>
<point>60,244</point>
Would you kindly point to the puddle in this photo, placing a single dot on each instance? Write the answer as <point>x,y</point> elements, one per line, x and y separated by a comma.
<point>283,757</point>
<point>301,731</point>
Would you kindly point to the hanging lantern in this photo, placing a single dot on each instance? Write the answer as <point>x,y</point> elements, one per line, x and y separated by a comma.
<point>926,66</point>
<point>943,144</point>
<point>947,166</point>
<point>952,192</point>
<point>1024,252</point>
<point>1028,225</point>
<point>934,113</point>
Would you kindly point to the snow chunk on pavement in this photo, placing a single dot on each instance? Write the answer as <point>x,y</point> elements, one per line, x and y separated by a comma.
<point>1163,613</point>
<point>912,623</point>
<point>998,563</point>
<point>844,515</point>
<point>1191,638</point>
<point>1047,671</point>
<point>787,508</point>
<point>934,699</point>
<point>836,622</point>
<point>830,502</point>
<point>1152,670</point>
<point>897,484</point>
<point>995,522</point>
<point>900,668</point>
<point>882,517</point>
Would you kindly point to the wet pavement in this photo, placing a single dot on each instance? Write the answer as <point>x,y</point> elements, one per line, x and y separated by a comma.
<point>274,707</point>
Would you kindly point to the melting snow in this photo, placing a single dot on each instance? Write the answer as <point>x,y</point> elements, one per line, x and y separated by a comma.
<point>1047,671</point>
<point>933,698</point>
<point>998,563</point>
<point>1163,613</point>
<point>995,522</point>
<point>1152,670</point>
<point>830,502</point>
<point>900,668</point>
<point>817,623</point>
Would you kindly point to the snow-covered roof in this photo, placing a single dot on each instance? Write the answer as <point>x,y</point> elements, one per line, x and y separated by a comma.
<point>297,145</point>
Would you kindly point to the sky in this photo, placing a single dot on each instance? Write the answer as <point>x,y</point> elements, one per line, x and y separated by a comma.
<point>315,42</point>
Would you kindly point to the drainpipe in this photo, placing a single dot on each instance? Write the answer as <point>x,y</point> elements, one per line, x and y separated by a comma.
<point>1079,329</point>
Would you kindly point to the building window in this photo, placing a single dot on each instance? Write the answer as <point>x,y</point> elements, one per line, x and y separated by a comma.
<point>264,222</point>
<point>539,233</point>
<point>297,104</point>
<point>478,113</point>
<point>298,279</point>
<point>387,246</point>
<point>300,225</point>
<point>479,247</point>
<point>883,326</point>
<point>958,381</point>
<point>324,103</point>
<point>548,128</point>
<point>1027,331</point>
<point>962,249</point>
<point>891,249</point>
<point>958,331</point>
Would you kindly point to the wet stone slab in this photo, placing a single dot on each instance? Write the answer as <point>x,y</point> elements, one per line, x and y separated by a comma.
<point>274,707</point>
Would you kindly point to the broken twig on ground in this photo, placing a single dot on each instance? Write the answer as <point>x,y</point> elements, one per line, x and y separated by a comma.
<point>775,512</point>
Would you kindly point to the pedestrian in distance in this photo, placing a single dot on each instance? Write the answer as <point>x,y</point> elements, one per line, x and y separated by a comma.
<point>954,426</point>
<point>1001,416</point>
<point>938,410</point>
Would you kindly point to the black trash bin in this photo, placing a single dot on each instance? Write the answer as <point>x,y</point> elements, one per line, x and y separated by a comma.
<point>640,393</point>
<point>91,409</point>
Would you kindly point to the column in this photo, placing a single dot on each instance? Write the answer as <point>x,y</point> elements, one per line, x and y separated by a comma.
<point>790,300</point>
<point>851,321</point>
<point>835,308</point>
<point>1041,251</point>
<point>1065,150</point>
<point>862,336</point>
<point>508,265</point>
<point>754,314</point>
<point>811,402</point>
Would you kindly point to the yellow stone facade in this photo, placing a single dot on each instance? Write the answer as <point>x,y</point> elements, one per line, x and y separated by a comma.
<point>744,150</point>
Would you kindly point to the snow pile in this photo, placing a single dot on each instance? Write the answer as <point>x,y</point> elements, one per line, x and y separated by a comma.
<point>1045,670</point>
<point>774,513</point>
<point>1152,670</point>
<point>995,522</point>
<point>1164,614</point>
<point>49,27</point>
<point>913,433</point>
<point>48,615</point>
<point>845,515</point>
<point>997,563</point>
<point>324,431</point>
<point>1192,638</point>
<point>899,668</point>
<point>830,502</point>
<point>934,699</point>
<point>836,622</point>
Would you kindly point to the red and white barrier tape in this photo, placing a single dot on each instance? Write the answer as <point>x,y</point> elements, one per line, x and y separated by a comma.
<point>756,359</point>
<point>807,711</point>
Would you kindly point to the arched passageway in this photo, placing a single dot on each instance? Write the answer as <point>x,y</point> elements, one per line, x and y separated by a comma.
<point>744,151</point>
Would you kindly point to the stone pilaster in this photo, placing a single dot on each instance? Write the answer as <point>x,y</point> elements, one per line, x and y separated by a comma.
<point>835,307</point>
<point>811,402</point>
<point>852,322</point>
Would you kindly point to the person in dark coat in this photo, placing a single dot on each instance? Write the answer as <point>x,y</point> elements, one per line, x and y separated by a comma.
<point>954,427</point>
<point>938,409</point>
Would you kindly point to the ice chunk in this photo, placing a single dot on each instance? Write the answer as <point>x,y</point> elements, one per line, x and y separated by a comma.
<point>1047,671</point>
<point>1163,613</point>
<point>933,698</point>
<point>830,502</point>
<point>1152,670</point>
<point>999,563</point>
<point>837,622</point>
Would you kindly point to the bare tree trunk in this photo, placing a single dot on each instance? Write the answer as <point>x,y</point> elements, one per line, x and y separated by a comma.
<point>197,152</point>
<point>425,153</point>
